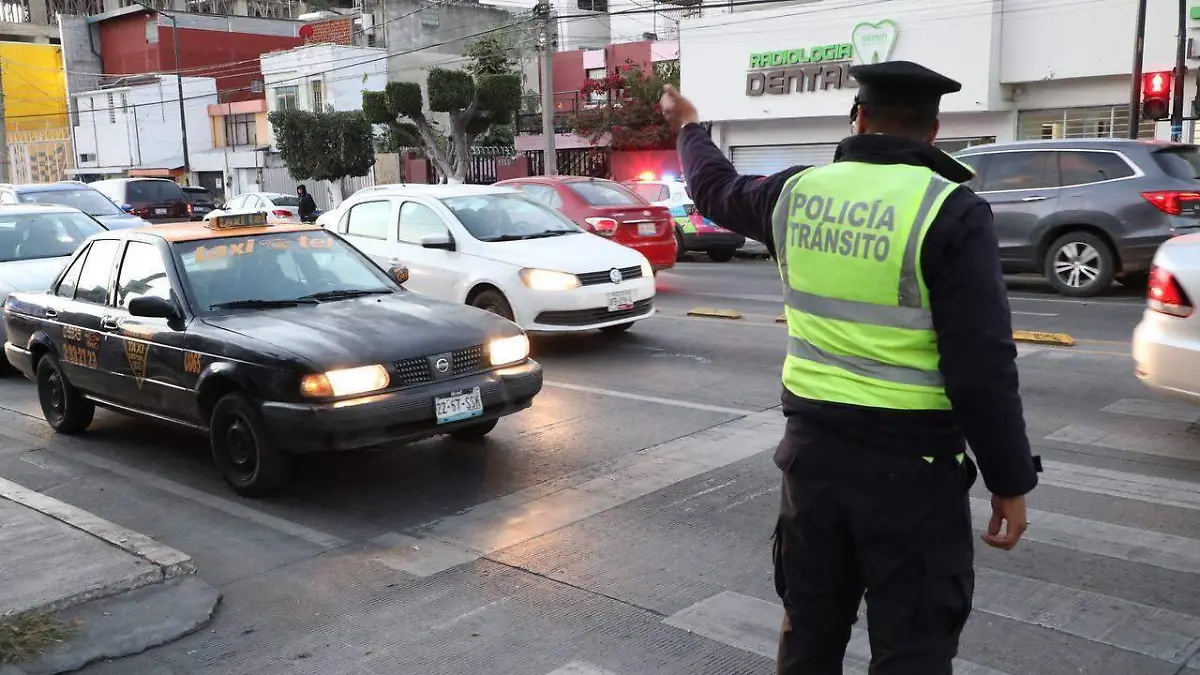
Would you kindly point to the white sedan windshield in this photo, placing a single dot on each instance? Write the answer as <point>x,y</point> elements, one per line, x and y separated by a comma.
<point>508,217</point>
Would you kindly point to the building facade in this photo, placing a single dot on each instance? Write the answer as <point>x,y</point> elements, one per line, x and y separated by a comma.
<point>775,85</point>
<point>37,129</point>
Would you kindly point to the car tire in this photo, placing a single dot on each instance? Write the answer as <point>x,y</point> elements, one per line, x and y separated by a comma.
<point>1135,280</point>
<point>65,409</point>
<point>494,302</point>
<point>721,255</point>
<point>243,450</point>
<point>617,329</point>
<point>680,251</point>
<point>474,432</point>
<point>1091,252</point>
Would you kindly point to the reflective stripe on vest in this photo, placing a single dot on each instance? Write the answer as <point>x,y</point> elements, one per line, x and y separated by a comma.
<point>860,330</point>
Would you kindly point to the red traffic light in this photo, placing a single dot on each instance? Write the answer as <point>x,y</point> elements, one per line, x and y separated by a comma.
<point>1156,95</point>
<point>1156,84</point>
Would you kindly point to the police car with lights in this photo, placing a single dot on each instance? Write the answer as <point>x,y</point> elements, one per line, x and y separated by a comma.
<point>693,232</point>
<point>272,339</point>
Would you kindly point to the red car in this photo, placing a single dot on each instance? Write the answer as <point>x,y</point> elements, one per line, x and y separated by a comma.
<point>608,209</point>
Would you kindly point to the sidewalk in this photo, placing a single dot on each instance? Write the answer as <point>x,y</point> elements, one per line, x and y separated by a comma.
<point>119,592</point>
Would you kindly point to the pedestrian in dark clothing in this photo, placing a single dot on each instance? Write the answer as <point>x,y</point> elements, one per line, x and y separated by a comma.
<point>900,353</point>
<point>308,206</point>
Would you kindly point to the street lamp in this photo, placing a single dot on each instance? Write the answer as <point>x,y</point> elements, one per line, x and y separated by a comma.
<point>187,164</point>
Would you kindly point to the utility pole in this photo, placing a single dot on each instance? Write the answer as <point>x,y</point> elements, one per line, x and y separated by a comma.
<point>187,163</point>
<point>1180,73</point>
<point>4,159</point>
<point>546,43</point>
<point>1135,88</point>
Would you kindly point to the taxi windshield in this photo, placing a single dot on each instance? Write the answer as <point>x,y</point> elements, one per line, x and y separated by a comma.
<point>508,217</point>
<point>274,270</point>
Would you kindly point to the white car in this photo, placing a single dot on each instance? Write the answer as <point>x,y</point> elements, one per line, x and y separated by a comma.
<point>280,208</point>
<point>498,249</point>
<point>1166,343</point>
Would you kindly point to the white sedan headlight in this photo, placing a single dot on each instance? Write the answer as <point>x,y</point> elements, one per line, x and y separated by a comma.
<point>548,280</point>
<point>346,382</point>
<point>647,270</point>
<point>508,350</point>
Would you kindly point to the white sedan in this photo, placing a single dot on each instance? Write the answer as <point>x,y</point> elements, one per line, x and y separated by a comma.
<point>1166,344</point>
<point>499,250</point>
<point>280,208</point>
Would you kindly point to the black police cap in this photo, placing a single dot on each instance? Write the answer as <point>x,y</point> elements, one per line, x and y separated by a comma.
<point>901,83</point>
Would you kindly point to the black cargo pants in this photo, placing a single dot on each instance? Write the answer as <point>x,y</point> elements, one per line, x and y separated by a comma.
<point>895,528</point>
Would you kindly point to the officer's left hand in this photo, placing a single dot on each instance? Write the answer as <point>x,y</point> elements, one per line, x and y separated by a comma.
<point>1008,514</point>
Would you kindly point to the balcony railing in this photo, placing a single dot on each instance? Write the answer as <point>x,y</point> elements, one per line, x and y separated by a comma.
<point>566,104</point>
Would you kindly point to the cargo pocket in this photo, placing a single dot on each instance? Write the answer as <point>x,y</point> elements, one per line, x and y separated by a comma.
<point>949,590</point>
<point>777,560</point>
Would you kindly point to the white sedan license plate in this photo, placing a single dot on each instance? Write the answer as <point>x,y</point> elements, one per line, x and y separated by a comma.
<point>620,300</point>
<point>647,229</point>
<point>160,212</point>
<point>459,405</point>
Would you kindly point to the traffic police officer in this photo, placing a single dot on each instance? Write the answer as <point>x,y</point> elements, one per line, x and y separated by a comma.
<point>899,353</point>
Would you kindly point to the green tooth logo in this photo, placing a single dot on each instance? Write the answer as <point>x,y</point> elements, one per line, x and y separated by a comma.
<point>873,42</point>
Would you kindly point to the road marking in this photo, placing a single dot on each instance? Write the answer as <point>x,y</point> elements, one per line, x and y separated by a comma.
<point>652,399</point>
<point>1043,338</point>
<point>752,625</point>
<point>287,527</point>
<point>580,668</point>
<point>1167,551</point>
<point>527,514</point>
<point>1163,491</point>
<point>1130,303</point>
<point>1154,409</point>
<point>1172,443</point>
<point>776,299</point>
<point>1031,313</point>
<point>1025,349</point>
<point>714,313</point>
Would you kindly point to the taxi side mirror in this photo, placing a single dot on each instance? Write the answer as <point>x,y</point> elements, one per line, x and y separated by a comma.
<point>153,307</point>
<point>399,273</point>
<point>439,240</point>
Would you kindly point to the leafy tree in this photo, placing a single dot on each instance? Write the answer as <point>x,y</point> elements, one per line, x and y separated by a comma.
<point>324,145</point>
<point>484,95</point>
<point>629,114</point>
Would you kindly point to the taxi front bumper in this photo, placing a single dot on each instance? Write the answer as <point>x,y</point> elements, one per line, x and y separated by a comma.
<point>398,416</point>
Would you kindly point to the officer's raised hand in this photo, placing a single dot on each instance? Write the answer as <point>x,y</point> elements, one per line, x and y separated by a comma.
<point>678,110</point>
<point>1008,522</point>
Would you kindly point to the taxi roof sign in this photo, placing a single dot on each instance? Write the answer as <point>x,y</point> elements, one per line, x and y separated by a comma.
<point>238,219</point>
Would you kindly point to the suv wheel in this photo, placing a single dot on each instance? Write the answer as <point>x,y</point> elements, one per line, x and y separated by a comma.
<point>1079,264</point>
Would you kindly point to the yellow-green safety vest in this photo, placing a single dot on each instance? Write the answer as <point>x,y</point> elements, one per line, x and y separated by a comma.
<point>848,238</point>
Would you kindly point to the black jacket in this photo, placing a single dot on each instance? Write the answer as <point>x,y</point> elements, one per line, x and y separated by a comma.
<point>308,206</point>
<point>961,267</point>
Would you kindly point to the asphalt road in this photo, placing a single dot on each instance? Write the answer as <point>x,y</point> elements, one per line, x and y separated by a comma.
<point>621,526</point>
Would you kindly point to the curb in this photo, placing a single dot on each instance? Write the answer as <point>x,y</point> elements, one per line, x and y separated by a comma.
<point>1040,338</point>
<point>167,563</point>
<point>713,313</point>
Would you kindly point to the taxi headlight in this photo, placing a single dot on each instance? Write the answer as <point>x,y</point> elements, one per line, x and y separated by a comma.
<point>508,350</point>
<point>548,280</point>
<point>647,270</point>
<point>345,382</point>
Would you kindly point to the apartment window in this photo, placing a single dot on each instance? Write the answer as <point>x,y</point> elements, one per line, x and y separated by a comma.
<point>240,130</point>
<point>593,5</point>
<point>596,74</point>
<point>287,98</point>
<point>1109,121</point>
<point>112,111</point>
<point>430,16</point>
<point>318,96</point>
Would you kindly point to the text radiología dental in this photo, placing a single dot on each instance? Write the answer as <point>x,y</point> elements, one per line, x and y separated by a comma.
<point>851,241</point>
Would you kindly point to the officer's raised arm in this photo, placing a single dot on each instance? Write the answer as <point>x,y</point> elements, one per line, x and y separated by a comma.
<point>742,204</point>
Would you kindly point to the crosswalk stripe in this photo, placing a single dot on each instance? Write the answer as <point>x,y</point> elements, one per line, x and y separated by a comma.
<point>1158,410</point>
<point>1114,541</point>
<point>752,625</point>
<point>579,668</point>
<point>1170,443</point>
<point>1151,489</point>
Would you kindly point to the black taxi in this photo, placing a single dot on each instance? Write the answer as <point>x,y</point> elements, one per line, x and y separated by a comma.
<point>272,339</point>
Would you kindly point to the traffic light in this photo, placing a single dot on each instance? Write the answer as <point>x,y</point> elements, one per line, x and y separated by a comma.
<point>1156,96</point>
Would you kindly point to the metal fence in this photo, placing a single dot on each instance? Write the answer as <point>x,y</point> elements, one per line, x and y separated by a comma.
<point>592,162</point>
<point>279,180</point>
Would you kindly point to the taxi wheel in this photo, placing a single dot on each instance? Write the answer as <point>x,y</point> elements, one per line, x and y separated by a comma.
<point>65,409</point>
<point>475,432</point>
<point>680,251</point>
<point>243,450</point>
<point>721,254</point>
<point>494,302</point>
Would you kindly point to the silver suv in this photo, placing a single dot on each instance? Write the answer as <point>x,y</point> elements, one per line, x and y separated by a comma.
<point>1083,212</point>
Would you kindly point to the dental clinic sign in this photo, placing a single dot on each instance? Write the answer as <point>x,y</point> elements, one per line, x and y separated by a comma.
<point>806,69</point>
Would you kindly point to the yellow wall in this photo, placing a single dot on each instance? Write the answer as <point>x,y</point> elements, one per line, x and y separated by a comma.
<point>35,88</point>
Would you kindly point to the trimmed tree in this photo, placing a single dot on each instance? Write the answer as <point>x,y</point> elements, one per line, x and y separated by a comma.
<point>326,146</point>
<point>629,116</point>
<point>484,95</point>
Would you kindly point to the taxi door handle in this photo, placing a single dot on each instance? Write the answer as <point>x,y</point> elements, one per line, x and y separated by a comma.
<point>109,323</point>
<point>50,313</point>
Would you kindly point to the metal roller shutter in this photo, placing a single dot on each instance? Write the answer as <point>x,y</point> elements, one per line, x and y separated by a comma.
<point>764,160</point>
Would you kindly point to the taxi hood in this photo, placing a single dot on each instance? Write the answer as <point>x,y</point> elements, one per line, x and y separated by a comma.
<point>367,330</point>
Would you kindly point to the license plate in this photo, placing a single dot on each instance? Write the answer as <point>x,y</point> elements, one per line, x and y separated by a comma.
<point>620,300</point>
<point>160,212</point>
<point>647,229</point>
<point>459,405</point>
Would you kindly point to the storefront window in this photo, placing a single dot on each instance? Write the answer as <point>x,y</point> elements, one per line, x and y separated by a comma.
<point>1110,121</point>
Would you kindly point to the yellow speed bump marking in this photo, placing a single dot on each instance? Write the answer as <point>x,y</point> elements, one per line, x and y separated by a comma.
<point>713,313</point>
<point>1040,338</point>
<point>782,318</point>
